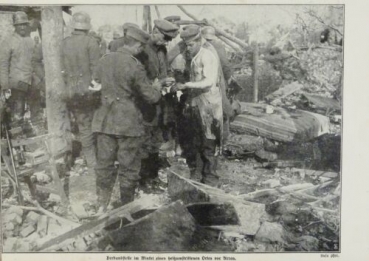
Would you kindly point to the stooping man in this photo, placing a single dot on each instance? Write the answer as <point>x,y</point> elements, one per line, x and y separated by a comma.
<point>202,115</point>
<point>118,122</point>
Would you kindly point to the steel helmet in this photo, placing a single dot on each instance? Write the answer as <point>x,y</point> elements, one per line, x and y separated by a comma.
<point>208,32</point>
<point>81,21</point>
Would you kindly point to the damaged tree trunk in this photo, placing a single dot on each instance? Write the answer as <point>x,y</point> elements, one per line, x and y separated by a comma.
<point>57,115</point>
<point>147,19</point>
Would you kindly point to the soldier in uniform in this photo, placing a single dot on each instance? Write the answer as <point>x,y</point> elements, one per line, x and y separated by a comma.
<point>119,122</point>
<point>119,42</point>
<point>154,59</point>
<point>16,67</point>
<point>203,114</point>
<point>80,54</point>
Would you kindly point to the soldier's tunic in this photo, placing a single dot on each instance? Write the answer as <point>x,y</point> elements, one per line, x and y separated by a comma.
<point>119,122</point>
<point>116,44</point>
<point>16,71</point>
<point>80,54</point>
<point>203,116</point>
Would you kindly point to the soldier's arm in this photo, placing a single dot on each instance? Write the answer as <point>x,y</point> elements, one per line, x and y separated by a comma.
<point>94,54</point>
<point>149,92</point>
<point>5,55</point>
<point>210,72</point>
<point>97,71</point>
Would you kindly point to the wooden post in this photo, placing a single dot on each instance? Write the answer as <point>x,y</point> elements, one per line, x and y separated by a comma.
<point>157,12</point>
<point>256,72</point>
<point>149,19</point>
<point>146,26</point>
<point>57,114</point>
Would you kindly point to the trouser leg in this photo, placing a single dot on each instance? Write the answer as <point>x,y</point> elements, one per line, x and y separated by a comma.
<point>34,102</point>
<point>150,161</point>
<point>129,158</point>
<point>189,132</point>
<point>106,173</point>
<point>210,161</point>
<point>17,105</point>
<point>87,138</point>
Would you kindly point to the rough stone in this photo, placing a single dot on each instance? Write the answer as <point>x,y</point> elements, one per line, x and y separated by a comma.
<point>15,209</point>
<point>14,218</point>
<point>270,233</point>
<point>28,230</point>
<point>10,244</point>
<point>42,224</point>
<point>8,228</point>
<point>272,183</point>
<point>32,218</point>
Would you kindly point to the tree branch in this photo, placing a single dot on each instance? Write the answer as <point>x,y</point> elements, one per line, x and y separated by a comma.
<point>311,13</point>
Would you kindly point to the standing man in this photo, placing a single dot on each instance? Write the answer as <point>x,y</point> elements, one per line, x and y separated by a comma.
<point>203,112</point>
<point>80,54</point>
<point>119,122</point>
<point>16,67</point>
<point>157,117</point>
<point>208,32</point>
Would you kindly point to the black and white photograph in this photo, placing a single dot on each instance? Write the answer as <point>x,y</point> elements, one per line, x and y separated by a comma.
<point>172,128</point>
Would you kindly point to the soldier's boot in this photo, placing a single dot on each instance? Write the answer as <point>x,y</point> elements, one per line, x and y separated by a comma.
<point>195,175</point>
<point>103,198</point>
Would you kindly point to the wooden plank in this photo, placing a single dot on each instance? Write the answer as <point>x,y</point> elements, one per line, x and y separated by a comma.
<point>322,102</point>
<point>275,97</point>
<point>96,225</point>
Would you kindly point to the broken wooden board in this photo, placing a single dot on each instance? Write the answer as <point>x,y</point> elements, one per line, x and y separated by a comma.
<point>275,97</point>
<point>189,191</point>
<point>169,228</point>
<point>52,244</point>
<point>282,125</point>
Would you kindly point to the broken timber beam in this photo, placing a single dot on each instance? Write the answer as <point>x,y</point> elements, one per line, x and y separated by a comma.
<point>218,31</point>
<point>96,225</point>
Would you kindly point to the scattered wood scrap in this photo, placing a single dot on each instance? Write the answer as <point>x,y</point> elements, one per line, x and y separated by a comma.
<point>96,225</point>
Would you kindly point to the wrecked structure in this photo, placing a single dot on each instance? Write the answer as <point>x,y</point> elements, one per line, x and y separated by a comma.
<point>280,170</point>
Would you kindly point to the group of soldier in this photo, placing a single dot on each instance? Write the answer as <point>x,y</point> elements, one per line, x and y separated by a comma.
<point>130,100</point>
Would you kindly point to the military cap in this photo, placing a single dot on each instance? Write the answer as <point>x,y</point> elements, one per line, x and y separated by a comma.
<point>20,18</point>
<point>190,33</point>
<point>173,18</point>
<point>208,32</point>
<point>166,28</point>
<point>138,34</point>
<point>127,25</point>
